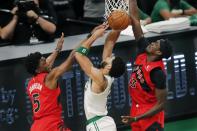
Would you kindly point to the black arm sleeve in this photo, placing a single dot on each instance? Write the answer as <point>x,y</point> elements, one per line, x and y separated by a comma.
<point>158,78</point>
<point>142,43</point>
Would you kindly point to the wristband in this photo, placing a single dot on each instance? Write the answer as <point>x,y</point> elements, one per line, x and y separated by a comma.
<point>57,50</point>
<point>82,50</point>
<point>89,35</point>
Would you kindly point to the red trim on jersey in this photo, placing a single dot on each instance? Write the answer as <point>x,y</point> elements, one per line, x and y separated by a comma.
<point>142,90</point>
<point>46,108</point>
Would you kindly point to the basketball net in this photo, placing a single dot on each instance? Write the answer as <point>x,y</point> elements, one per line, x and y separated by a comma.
<point>111,5</point>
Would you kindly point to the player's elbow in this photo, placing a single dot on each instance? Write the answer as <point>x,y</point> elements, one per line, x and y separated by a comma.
<point>57,72</point>
<point>52,29</point>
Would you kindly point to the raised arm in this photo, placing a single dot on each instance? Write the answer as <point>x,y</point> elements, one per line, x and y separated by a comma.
<point>55,73</point>
<point>81,53</point>
<point>52,77</point>
<point>51,58</point>
<point>135,19</point>
<point>109,43</point>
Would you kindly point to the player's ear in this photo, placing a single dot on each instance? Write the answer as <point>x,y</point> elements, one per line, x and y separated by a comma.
<point>108,67</point>
<point>102,64</point>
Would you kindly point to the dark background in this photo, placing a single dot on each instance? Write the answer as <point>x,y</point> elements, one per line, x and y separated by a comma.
<point>15,108</point>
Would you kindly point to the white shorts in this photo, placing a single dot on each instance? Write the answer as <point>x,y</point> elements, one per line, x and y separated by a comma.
<point>105,123</point>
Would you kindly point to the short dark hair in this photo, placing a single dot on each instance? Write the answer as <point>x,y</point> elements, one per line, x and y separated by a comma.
<point>165,48</point>
<point>118,67</point>
<point>32,62</point>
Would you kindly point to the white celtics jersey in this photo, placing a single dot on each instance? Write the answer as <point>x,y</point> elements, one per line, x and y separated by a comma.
<point>95,104</point>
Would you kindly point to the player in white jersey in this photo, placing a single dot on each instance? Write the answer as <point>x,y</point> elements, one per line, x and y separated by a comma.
<point>100,80</point>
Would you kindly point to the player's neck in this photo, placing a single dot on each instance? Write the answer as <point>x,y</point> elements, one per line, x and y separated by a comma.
<point>151,58</point>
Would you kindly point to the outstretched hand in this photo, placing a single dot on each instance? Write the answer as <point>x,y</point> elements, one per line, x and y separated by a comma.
<point>99,31</point>
<point>60,42</point>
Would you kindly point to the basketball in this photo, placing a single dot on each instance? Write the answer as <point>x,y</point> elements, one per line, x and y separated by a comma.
<point>118,20</point>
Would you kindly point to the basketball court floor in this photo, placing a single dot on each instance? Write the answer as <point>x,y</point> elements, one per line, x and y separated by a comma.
<point>181,125</point>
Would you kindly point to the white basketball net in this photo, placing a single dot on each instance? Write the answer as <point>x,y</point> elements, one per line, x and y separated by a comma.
<point>111,5</point>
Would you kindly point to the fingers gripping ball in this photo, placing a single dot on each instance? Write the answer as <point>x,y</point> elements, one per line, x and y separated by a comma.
<point>119,20</point>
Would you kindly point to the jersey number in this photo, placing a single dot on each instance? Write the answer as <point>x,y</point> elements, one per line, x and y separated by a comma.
<point>36,101</point>
<point>133,83</point>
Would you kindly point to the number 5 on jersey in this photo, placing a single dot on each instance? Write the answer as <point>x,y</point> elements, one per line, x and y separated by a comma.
<point>36,102</point>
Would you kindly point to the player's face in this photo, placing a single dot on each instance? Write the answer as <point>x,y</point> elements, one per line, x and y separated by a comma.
<point>153,48</point>
<point>108,62</point>
<point>43,66</point>
<point>110,59</point>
